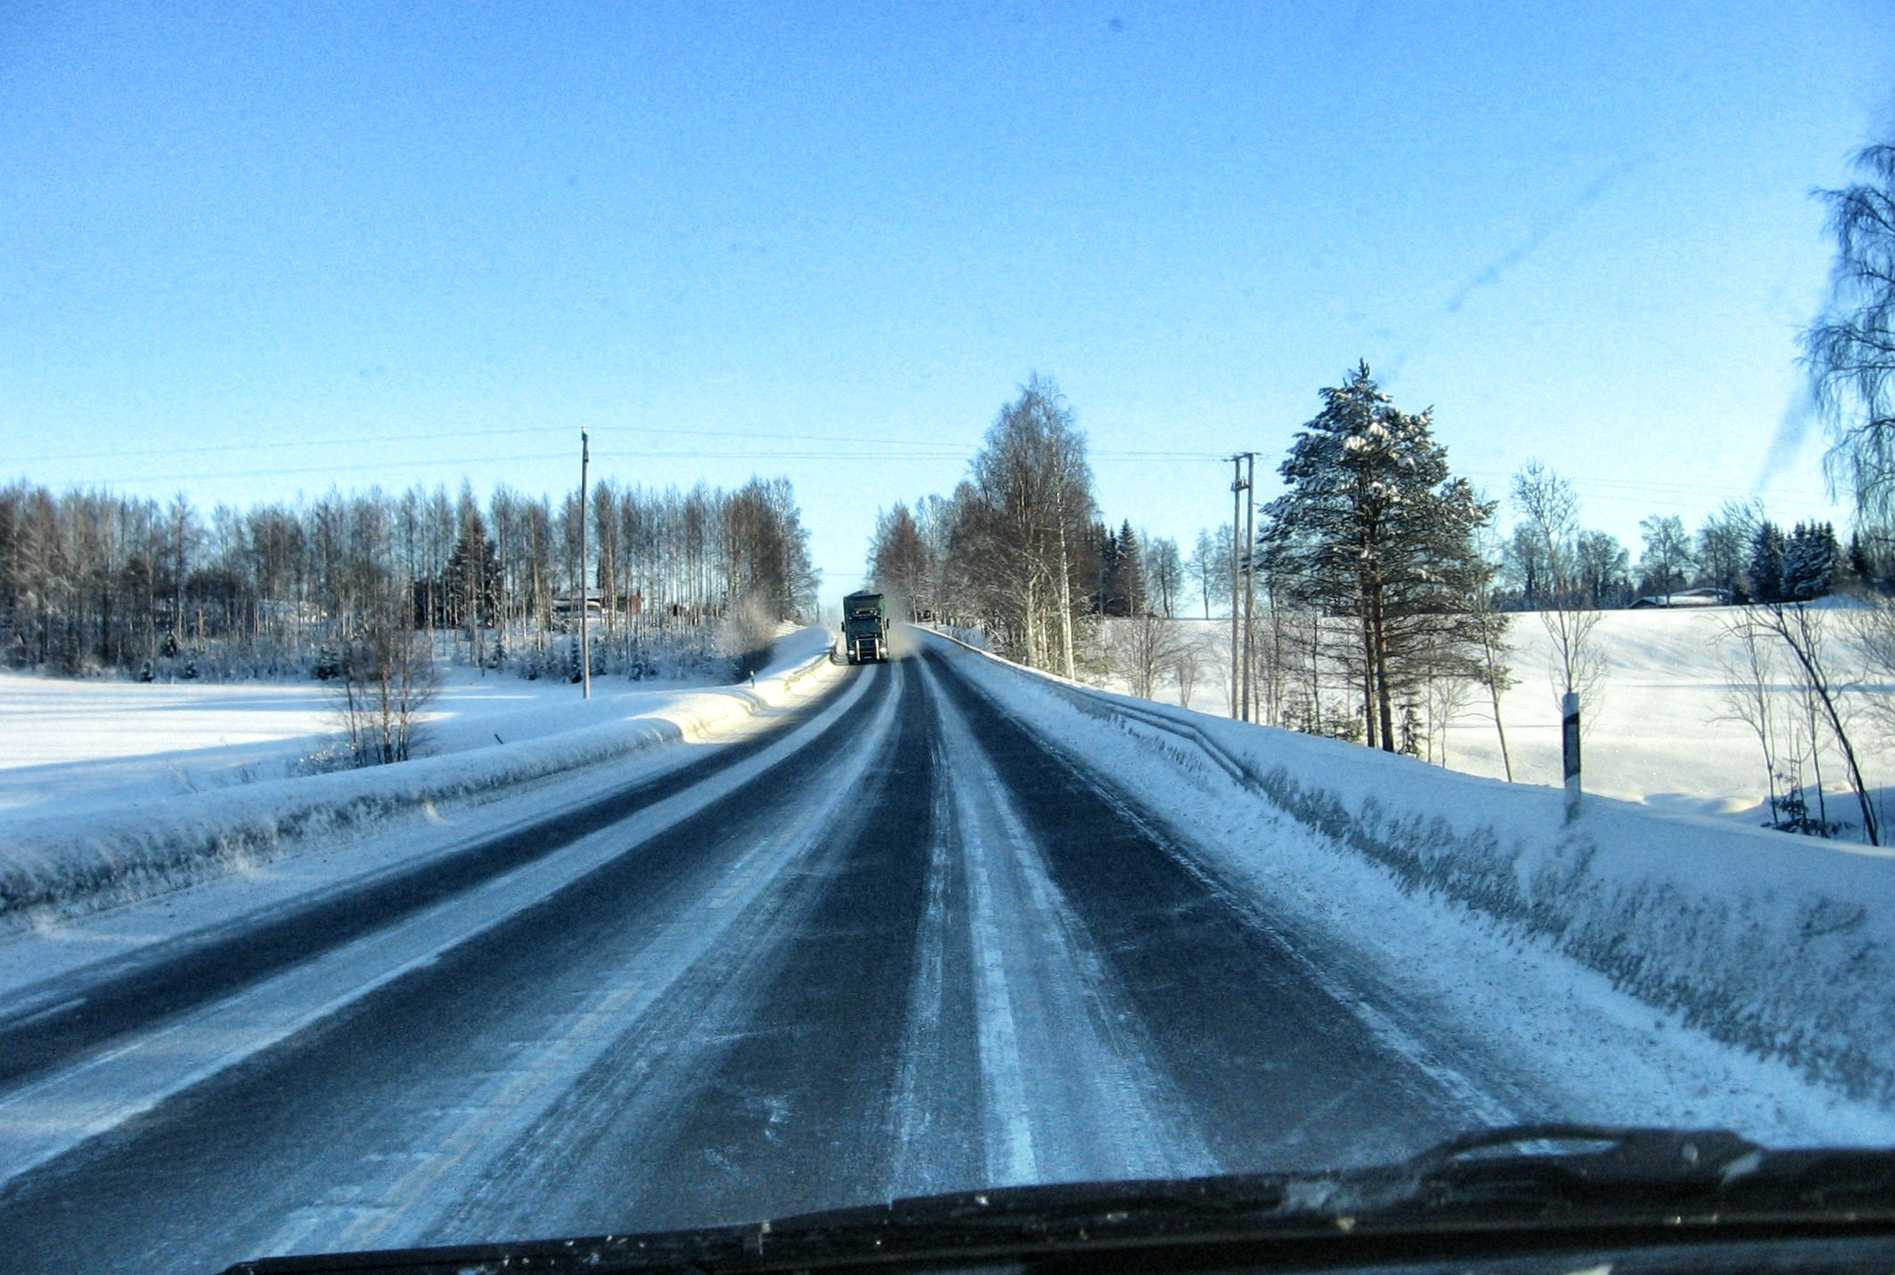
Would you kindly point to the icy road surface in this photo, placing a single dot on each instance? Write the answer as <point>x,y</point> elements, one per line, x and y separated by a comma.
<point>898,946</point>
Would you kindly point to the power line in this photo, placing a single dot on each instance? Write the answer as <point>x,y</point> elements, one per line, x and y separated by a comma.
<point>328,440</point>
<point>291,471</point>
<point>923,452</point>
<point>880,448</point>
<point>323,441</point>
<point>1638,484</point>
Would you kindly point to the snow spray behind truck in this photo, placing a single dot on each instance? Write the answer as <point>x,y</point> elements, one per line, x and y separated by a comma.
<point>865,628</point>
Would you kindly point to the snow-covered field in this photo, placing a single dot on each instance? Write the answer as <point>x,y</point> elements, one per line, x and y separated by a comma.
<point>63,739</point>
<point>1663,735</point>
<point>115,791</point>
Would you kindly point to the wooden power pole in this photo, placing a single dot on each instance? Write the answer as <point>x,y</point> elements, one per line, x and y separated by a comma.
<point>585,592</point>
<point>1250,573</point>
<point>1236,530</point>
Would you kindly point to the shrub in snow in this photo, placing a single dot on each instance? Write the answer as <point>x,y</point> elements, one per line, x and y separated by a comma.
<point>387,676</point>
<point>328,663</point>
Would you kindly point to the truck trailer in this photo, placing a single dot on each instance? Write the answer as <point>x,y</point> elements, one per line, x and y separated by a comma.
<point>865,628</point>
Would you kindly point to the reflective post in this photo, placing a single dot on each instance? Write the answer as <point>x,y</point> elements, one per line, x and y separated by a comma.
<point>1569,712</point>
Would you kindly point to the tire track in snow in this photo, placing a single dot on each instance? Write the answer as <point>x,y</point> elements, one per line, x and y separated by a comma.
<point>1069,1086</point>
<point>933,1123</point>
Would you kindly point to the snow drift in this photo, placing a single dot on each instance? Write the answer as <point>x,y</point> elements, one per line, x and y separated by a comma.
<point>1781,945</point>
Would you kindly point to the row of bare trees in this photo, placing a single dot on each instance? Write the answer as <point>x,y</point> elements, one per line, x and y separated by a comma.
<point>91,580</point>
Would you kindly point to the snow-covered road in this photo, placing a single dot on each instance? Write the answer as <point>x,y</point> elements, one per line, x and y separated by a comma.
<point>899,946</point>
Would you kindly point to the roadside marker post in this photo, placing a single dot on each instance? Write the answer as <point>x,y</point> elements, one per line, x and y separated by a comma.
<point>1569,713</point>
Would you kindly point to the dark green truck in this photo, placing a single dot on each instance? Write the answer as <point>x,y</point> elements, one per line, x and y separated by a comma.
<point>865,628</point>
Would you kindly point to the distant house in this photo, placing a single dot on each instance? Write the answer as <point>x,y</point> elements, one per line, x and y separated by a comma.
<point>1686,598</point>
<point>566,608</point>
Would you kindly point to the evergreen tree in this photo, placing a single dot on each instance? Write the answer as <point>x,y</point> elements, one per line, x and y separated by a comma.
<point>471,580</point>
<point>1859,561</point>
<point>1809,562</point>
<point>1125,581</point>
<point>1767,549</point>
<point>1373,526</point>
<point>1411,728</point>
<point>1101,555</point>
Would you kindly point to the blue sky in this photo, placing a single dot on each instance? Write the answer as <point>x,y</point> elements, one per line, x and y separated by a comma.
<point>257,249</point>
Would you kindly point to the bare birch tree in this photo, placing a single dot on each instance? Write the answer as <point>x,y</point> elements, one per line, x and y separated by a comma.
<point>1801,630</point>
<point>1549,511</point>
<point>1750,673</point>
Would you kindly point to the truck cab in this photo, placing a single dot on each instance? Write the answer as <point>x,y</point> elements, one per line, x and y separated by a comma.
<point>865,628</point>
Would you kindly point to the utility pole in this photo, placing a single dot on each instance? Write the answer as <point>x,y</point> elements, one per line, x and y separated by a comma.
<point>1236,525</point>
<point>1250,573</point>
<point>585,593</point>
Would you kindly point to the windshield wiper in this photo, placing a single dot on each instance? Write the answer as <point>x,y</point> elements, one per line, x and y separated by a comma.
<point>1531,1188</point>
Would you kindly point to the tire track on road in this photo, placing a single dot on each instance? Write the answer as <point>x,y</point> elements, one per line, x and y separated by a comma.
<point>1282,1062</point>
<point>1069,1082</point>
<point>776,1093</point>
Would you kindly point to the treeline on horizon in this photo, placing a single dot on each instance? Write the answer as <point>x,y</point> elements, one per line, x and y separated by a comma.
<point>92,581</point>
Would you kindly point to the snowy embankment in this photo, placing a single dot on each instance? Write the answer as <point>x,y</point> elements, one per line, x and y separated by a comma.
<point>1784,946</point>
<point>84,851</point>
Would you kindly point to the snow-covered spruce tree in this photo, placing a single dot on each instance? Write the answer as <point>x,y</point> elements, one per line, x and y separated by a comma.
<point>1767,548</point>
<point>1809,562</point>
<point>1411,728</point>
<point>1125,592</point>
<point>470,582</point>
<point>1373,526</point>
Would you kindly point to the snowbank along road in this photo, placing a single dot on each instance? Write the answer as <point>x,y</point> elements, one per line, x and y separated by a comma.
<point>901,945</point>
